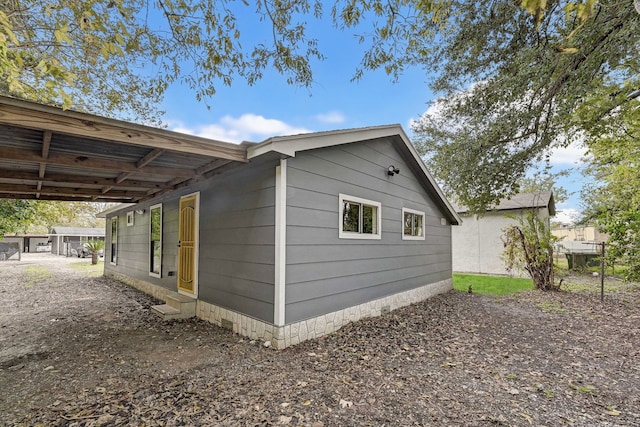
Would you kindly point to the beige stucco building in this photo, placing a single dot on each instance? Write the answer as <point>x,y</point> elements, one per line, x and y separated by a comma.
<point>477,243</point>
<point>579,233</point>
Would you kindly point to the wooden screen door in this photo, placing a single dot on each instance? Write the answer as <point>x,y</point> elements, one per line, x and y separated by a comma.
<point>187,235</point>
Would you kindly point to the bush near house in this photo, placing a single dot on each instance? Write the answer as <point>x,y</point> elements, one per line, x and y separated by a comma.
<point>94,246</point>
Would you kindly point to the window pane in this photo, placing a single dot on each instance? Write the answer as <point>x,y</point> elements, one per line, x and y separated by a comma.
<point>408,223</point>
<point>114,239</point>
<point>155,224</point>
<point>417,221</point>
<point>369,219</point>
<point>350,217</point>
<point>155,257</point>
<point>155,245</point>
<point>114,230</point>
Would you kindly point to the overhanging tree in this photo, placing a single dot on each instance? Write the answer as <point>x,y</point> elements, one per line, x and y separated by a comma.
<point>129,51</point>
<point>613,198</point>
<point>106,56</point>
<point>16,215</point>
<point>512,83</point>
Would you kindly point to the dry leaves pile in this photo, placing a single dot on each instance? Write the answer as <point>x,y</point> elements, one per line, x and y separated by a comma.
<point>78,351</point>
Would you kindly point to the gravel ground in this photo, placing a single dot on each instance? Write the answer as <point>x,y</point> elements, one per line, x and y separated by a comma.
<point>78,350</point>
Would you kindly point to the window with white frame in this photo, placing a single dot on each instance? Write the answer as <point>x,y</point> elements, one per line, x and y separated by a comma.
<point>114,240</point>
<point>359,218</point>
<point>155,240</point>
<point>129,219</point>
<point>412,224</point>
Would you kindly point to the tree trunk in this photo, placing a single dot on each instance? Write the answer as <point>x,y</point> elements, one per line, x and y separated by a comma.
<point>94,257</point>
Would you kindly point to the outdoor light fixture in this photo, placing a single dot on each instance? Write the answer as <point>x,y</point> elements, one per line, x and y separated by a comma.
<point>392,170</point>
<point>140,211</point>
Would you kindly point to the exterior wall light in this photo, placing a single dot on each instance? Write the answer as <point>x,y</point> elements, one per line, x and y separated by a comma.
<point>392,170</point>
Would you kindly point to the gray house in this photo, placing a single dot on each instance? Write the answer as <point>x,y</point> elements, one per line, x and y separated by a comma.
<point>312,232</point>
<point>66,240</point>
<point>477,243</point>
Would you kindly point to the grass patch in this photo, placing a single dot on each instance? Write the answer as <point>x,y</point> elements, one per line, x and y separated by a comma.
<point>586,389</point>
<point>593,287</point>
<point>490,285</point>
<point>88,268</point>
<point>35,274</point>
<point>551,307</point>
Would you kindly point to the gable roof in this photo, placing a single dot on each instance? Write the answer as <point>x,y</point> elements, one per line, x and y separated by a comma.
<point>540,199</point>
<point>290,145</point>
<point>77,231</point>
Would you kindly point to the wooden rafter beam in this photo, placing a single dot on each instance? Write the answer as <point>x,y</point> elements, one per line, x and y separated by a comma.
<point>151,156</point>
<point>52,191</point>
<point>123,176</point>
<point>78,179</point>
<point>90,163</point>
<point>76,198</point>
<point>46,143</point>
<point>36,116</point>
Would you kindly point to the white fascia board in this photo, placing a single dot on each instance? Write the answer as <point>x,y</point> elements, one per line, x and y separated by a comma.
<point>108,212</point>
<point>290,145</point>
<point>427,174</point>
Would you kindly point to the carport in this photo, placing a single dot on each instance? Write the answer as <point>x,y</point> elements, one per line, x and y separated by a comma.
<point>47,153</point>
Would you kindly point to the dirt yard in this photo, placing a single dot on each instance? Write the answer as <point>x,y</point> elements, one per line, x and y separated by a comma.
<point>86,351</point>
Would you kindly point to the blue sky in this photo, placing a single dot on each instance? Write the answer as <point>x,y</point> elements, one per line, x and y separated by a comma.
<point>271,107</point>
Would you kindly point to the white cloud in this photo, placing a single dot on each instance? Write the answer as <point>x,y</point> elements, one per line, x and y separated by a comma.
<point>331,117</point>
<point>567,216</point>
<point>247,127</point>
<point>571,155</point>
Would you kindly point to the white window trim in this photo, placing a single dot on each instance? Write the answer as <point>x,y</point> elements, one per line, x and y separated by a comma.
<point>415,212</point>
<point>130,219</point>
<point>151,208</point>
<point>350,234</point>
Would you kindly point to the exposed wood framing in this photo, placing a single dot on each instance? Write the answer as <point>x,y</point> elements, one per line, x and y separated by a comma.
<point>35,116</point>
<point>39,160</point>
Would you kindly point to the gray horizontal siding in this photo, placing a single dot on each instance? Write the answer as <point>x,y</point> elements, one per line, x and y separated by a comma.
<point>133,244</point>
<point>325,273</point>
<point>237,217</point>
<point>236,240</point>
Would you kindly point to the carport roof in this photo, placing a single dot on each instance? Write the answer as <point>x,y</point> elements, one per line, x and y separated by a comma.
<point>48,153</point>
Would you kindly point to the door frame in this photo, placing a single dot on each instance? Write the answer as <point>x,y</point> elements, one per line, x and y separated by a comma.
<point>196,246</point>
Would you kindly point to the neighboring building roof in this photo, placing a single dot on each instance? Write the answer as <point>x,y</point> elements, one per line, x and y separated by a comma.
<point>290,145</point>
<point>77,231</point>
<point>540,199</point>
<point>26,235</point>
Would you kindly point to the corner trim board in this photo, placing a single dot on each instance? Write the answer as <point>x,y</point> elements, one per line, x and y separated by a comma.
<point>279,301</point>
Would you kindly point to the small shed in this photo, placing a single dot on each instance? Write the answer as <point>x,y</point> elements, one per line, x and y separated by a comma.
<point>477,242</point>
<point>66,240</point>
<point>30,243</point>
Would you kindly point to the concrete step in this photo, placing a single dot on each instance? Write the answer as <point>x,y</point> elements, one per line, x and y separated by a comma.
<point>166,312</point>
<point>177,306</point>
